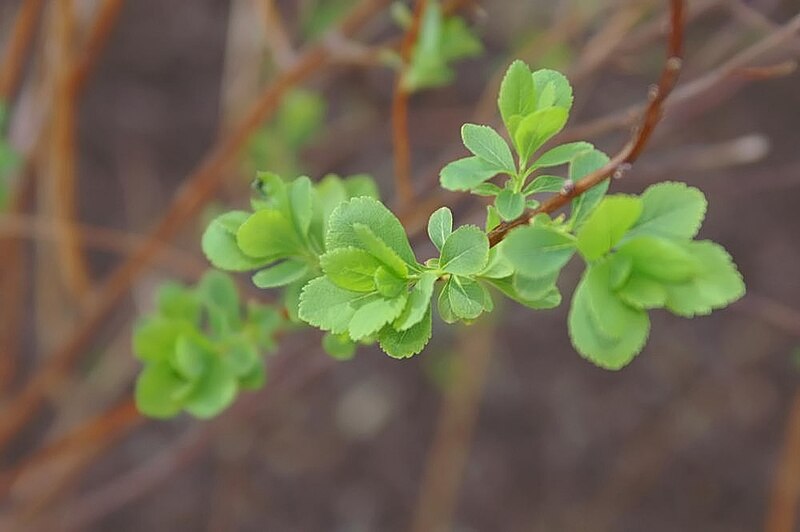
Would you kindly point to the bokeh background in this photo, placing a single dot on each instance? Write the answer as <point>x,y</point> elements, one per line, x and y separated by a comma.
<point>119,114</point>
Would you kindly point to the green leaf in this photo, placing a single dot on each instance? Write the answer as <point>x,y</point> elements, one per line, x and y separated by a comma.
<point>458,41</point>
<point>465,174</point>
<point>255,379</point>
<point>716,284</point>
<point>388,284</point>
<point>499,266</point>
<point>660,259</point>
<point>537,128</point>
<point>350,268</point>
<point>607,225</point>
<point>510,204</point>
<point>380,250</point>
<point>582,165</point>
<point>360,185</point>
<point>538,250</point>
<point>373,214</point>
<point>339,346</point>
<point>214,392</point>
<point>467,299</point>
<point>268,234</point>
<point>492,218</point>
<point>177,302</point>
<point>671,210</point>
<point>562,154</point>
<point>486,190</point>
<point>220,247</point>
<point>465,252</point>
<point>487,144</point>
<point>419,301</point>
<point>440,226</point>
<point>544,183</point>
<point>552,88</point>
<point>281,274</point>
<point>403,344</point>
<point>374,314</point>
<point>158,391</point>
<point>643,292</point>
<point>219,293</point>
<point>301,199</point>
<point>154,338</point>
<point>327,306</point>
<point>535,289</point>
<point>589,336</point>
<point>517,98</point>
<point>550,300</point>
<point>191,358</point>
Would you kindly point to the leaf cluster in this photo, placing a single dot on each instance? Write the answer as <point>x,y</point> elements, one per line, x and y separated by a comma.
<point>442,40</point>
<point>200,347</point>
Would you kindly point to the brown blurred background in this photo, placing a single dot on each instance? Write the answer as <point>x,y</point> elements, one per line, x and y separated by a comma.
<point>149,115</point>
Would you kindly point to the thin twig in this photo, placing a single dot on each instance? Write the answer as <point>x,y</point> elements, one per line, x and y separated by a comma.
<point>782,510</point>
<point>400,136</point>
<point>276,35</point>
<point>631,151</point>
<point>18,44</point>
<point>198,188</point>
<point>447,457</point>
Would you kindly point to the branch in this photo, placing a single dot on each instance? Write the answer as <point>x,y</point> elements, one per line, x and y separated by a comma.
<point>621,162</point>
<point>18,44</point>
<point>400,137</point>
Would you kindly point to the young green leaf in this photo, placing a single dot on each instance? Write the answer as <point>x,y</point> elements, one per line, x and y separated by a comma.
<point>350,268</point>
<point>220,247</point>
<point>301,199</point>
<point>537,128</point>
<point>466,298</point>
<point>671,210</point>
<point>327,306</point>
<point>562,154</point>
<point>373,315</point>
<point>419,301</point>
<point>339,346</point>
<point>607,225</point>
<point>588,329</point>
<point>177,302</point>
<point>373,214</point>
<point>158,391</point>
<point>517,97</point>
<point>492,218</point>
<point>214,391</point>
<point>403,344</point>
<point>534,289</point>
<point>465,174</point>
<point>716,284</point>
<point>281,274</point>
<point>380,250</point>
<point>582,165</point>
<point>537,250</point>
<point>465,252</point>
<point>440,226</point>
<point>155,338</point>
<point>509,204</point>
<point>552,89</point>
<point>487,190</point>
<point>544,183</point>
<point>660,259</point>
<point>388,284</point>
<point>486,143</point>
<point>268,234</point>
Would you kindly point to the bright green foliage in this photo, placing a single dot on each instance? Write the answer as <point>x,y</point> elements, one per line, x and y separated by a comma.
<point>284,236</point>
<point>346,266</point>
<point>535,107</point>
<point>441,41</point>
<point>199,348</point>
<point>643,258</point>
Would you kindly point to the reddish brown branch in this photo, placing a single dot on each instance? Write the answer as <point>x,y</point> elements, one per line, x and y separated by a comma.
<point>632,150</point>
<point>100,31</point>
<point>400,136</point>
<point>18,44</point>
<point>199,187</point>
